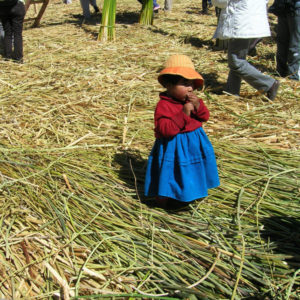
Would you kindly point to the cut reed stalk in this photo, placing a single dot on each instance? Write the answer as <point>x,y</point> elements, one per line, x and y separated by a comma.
<point>108,29</point>
<point>146,15</point>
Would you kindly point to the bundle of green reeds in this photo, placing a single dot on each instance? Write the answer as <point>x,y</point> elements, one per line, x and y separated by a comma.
<point>146,16</point>
<point>107,29</point>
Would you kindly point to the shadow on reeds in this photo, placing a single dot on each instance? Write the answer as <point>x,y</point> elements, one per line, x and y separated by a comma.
<point>212,84</point>
<point>132,168</point>
<point>127,17</point>
<point>283,235</point>
<point>199,43</point>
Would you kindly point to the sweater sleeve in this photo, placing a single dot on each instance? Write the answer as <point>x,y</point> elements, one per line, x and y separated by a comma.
<point>202,114</point>
<point>168,123</point>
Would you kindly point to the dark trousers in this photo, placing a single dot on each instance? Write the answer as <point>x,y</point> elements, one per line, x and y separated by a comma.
<point>204,4</point>
<point>12,18</point>
<point>288,45</point>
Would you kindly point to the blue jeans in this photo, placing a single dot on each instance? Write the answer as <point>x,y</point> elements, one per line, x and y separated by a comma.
<point>288,45</point>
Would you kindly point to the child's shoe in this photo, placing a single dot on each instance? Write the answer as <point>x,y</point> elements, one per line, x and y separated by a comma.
<point>162,202</point>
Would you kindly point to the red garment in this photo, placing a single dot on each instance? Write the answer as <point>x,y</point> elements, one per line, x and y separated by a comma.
<point>170,119</point>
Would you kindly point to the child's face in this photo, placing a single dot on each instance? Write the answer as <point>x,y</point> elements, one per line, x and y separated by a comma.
<point>181,90</point>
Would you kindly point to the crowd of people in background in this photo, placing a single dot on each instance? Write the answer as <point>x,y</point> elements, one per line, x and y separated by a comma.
<point>243,23</point>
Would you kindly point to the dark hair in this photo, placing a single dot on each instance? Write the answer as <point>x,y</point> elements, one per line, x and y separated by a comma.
<point>169,78</point>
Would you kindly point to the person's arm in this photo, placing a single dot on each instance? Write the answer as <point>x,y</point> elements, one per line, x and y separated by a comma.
<point>202,113</point>
<point>168,124</point>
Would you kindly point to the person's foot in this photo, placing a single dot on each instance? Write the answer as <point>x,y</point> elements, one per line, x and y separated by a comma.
<point>174,205</point>
<point>156,7</point>
<point>162,202</point>
<point>87,21</point>
<point>18,60</point>
<point>272,92</point>
<point>96,8</point>
<point>204,12</point>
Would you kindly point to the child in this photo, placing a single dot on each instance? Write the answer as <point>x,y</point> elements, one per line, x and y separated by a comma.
<point>182,164</point>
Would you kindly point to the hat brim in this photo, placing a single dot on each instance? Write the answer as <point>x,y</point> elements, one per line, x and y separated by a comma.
<point>187,73</point>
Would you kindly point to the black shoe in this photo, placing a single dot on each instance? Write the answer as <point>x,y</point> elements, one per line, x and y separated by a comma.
<point>272,92</point>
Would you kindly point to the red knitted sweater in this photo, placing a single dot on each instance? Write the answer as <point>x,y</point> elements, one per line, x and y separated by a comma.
<point>170,119</point>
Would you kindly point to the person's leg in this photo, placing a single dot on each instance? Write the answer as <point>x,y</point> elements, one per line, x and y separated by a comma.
<point>85,8</point>
<point>293,61</point>
<point>252,46</point>
<point>94,4</point>
<point>235,53</point>
<point>204,6</point>
<point>6,23</point>
<point>1,35</point>
<point>241,69</point>
<point>17,26</point>
<point>168,5</point>
<point>282,41</point>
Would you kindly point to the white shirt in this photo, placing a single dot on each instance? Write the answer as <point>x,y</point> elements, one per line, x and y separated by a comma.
<point>242,19</point>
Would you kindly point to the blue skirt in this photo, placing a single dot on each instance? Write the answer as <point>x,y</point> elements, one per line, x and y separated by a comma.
<point>183,167</point>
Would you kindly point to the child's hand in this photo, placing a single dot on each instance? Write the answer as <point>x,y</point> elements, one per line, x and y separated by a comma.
<point>187,108</point>
<point>192,98</point>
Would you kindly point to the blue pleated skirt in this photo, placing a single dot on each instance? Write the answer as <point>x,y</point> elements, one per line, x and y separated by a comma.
<point>182,167</point>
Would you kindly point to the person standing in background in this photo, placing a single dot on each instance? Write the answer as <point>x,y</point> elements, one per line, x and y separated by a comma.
<point>205,4</point>
<point>85,4</point>
<point>12,13</point>
<point>168,5</point>
<point>288,37</point>
<point>240,22</point>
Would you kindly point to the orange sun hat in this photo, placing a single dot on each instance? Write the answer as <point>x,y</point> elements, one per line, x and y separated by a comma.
<point>181,65</point>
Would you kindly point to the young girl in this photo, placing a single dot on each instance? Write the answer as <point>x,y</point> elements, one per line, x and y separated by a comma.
<point>182,164</point>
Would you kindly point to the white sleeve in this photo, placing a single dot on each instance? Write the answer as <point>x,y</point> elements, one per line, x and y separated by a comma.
<point>220,3</point>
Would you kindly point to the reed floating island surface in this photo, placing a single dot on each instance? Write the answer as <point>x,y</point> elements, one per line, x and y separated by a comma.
<point>76,130</point>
